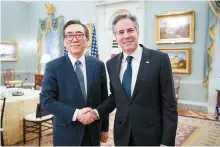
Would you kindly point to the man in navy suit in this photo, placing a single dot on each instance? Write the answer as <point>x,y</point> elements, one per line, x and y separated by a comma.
<point>71,83</point>
<point>142,90</point>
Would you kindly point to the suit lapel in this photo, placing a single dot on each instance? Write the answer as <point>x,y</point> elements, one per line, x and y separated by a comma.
<point>118,66</point>
<point>117,75</point>
<point>143,70</point>
<point>72,76</point>
<point>89,74</point>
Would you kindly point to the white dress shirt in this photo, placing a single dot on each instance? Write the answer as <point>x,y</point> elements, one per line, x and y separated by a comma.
<point>135,63</point>
<point>83,68</point>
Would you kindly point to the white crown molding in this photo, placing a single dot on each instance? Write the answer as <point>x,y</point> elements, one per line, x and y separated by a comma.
<point>26,1</point>
<point>108,2</point>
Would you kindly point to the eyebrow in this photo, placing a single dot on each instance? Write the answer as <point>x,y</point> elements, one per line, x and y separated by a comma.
<point>75,32</point>
<point>125,29</point>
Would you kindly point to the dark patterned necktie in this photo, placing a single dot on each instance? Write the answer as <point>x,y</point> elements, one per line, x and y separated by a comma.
<point>126,82</point>
<point>80,77</point>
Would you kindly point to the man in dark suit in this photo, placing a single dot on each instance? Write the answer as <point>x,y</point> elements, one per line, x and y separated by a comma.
<point>71,83</point>
<point>142,90</point>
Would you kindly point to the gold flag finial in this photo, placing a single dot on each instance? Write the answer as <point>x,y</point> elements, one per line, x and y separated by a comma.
<point>50,8</point>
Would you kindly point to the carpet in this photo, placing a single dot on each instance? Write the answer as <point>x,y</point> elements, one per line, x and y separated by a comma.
<point>198,132</point>
<point>190,132</point>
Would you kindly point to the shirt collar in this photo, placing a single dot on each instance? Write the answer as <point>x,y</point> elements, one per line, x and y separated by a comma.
<point>73,59</point>
<point>136,54</point>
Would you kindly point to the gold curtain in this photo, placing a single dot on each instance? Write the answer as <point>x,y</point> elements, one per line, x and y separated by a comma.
<point>215,9</point>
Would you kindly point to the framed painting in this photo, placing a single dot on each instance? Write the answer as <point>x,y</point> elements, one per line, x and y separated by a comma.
<point>180,59</point>
<point>90,25</point>
<point>8,51</point>
<point>175,28</point>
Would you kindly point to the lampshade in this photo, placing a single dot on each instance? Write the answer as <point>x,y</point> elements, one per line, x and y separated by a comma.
<point>45,58</point>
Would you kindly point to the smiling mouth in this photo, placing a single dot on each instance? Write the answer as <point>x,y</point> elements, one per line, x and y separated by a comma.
<point>128,42</point>
<point>74,45</point>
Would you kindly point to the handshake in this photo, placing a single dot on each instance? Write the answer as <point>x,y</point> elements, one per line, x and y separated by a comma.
<point>86,115</point>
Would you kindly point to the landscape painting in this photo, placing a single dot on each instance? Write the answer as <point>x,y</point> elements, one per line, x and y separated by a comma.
<point>8,51</point>
<point>180,59</point>
<point>175,28</point>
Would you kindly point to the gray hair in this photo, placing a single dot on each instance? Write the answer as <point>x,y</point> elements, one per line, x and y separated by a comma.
<point>125,16</point>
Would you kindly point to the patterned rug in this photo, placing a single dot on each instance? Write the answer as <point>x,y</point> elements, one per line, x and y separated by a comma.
<point>190,132</point>
<point>198,132</point>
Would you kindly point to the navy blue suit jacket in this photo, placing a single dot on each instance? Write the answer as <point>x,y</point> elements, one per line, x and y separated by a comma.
<point>61,96</point>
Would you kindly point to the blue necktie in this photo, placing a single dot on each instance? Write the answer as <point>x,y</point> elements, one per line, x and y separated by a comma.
<point>80,77</point>
<point>126,82</point>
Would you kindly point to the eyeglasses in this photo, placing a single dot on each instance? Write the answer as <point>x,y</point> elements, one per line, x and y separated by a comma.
<point>77,36</point>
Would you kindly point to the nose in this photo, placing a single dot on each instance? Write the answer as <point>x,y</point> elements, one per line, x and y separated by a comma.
<point>126,34</point>
<point>74,39</point>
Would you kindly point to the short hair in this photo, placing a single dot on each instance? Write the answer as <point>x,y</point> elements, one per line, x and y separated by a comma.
<point>125,16</point>
<point>75,22</point>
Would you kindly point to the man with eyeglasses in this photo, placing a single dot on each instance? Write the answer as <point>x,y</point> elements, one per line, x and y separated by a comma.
<point>71,83</point>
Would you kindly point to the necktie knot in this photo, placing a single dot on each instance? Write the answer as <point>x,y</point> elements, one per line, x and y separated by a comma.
<point>78,62</point>
<point>129,58</point>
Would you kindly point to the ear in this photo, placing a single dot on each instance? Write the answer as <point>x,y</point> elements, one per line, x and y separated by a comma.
<point>116,38</point>
<point>138,34</point>
<point>86,43</point>
<point>64,43</point>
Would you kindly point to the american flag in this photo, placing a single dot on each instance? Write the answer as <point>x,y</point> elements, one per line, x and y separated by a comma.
<point>94,49</point>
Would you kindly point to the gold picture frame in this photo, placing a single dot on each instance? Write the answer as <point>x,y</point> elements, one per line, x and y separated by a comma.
<point>8,51</point>
<point>90,25</point>
<point>175,28</point>
<point>180,59</point>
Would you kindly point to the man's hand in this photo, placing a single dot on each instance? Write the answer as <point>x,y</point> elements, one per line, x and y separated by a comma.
<point>90,117</point>
<point>81,114</point>
<point>86,116</point>
<point>104,137</point>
